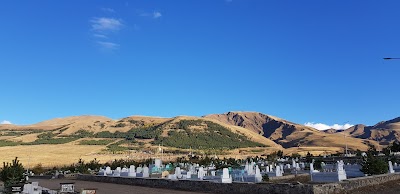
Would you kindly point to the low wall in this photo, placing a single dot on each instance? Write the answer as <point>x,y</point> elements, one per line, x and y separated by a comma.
<point>351,184</point>
<point>205,186</point>
<point>241,188</point>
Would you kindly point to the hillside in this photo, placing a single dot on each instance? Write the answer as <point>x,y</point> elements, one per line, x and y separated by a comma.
<point>179,132</point>
<point>288,134</point>
<point>236,133</point>
<point>384,132</point>
<point>104,138</point>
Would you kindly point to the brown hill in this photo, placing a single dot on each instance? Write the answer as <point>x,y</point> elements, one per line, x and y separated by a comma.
<point>70,125</point>
<point>289,134</point>
<point>330,131</point>
<point>384,132</point>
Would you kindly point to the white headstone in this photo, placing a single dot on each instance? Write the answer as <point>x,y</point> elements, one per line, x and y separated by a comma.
<point>132,172</point>
<point>172,176</point>
<point>278,171</point>
<point>340,170</point>
<point>391,167</point>
<point>158,163</point>
<point>311,167</point>
<point>117,172</point>
<point>189,175</point>
<point>139,169</point>
<point>226,178</point>
<point>213,173</point>
<point>146,172</point>
<point>258,176</point>
<point>178,172</point>
<point>200,173</point>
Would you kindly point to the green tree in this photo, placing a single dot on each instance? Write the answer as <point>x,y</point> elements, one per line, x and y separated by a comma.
<point>372,165</point>
<point>12,173</point>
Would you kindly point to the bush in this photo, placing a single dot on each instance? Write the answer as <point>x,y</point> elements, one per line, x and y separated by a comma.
<point>265,178</point>
<point>38,169</point>
<point>96,142</point>
<point>12,173</point>
<point>372,165</point>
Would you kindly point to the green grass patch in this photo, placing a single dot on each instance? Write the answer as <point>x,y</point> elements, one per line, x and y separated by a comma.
<point>96,142</point>
<point>211,136</point>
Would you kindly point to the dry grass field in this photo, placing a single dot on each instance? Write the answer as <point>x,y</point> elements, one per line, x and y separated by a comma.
<point>275,133</point>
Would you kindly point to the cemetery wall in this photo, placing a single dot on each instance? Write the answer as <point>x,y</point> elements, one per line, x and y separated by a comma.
<point>241,188</point>
<point>351,184</point>
<point>205,186</point>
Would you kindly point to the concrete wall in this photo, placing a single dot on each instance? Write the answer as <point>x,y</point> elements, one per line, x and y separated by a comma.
<point>205,186</point>
<point>351,184</point>
<point>254,188</point>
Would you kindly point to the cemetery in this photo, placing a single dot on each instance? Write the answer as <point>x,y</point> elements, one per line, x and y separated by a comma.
<point>228,175</point>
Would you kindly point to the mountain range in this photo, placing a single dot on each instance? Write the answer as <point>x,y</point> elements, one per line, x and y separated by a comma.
<point>264,130</point>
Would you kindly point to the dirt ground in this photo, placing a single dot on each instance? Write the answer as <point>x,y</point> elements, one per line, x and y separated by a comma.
<point>105,188</point>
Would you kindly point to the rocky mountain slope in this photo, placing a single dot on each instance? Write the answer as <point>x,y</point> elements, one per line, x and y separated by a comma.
<point>383,132</point>
<point>288,134</point>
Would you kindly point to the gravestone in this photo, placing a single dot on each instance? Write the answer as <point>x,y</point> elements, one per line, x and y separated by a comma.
<point>293,163</point>
<point>226,178</point>
<point>213,173</point>
<point>258,176</point>
<point>108,170</point>
<point>200,173</point>
<point>188,175</point>
<point>391,167</point>
<point>158,163</point>
<point>178,173</point>
<point>341,172</point>
<point>278,171</point>
<point>139,170</point>
<point>146,172</point>
<point>132,172</point>
<point>117,172</point>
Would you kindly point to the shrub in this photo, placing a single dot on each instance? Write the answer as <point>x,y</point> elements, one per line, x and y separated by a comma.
<point>12,173</point>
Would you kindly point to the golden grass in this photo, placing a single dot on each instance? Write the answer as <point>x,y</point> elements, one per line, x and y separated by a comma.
<point>25,138</point>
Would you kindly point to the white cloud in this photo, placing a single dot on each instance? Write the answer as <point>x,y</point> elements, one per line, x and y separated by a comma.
<point>156,14</point>
<point>321,126</point>
<point>104,24</point>
<point>5,122</point>
<point>108,10</point>
<point>100,36</point>
<point>108,45</point>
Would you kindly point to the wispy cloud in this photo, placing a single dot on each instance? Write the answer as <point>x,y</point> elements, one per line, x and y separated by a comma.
<point>100,36</point>
<point>108,10</point>
<point>105,24</point>
<point>322,126</point>
<point>5,122</point>
<point>108,45</point>
<point>156,14</point>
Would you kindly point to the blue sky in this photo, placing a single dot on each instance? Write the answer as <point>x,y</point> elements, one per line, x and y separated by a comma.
<point>305,61</point>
